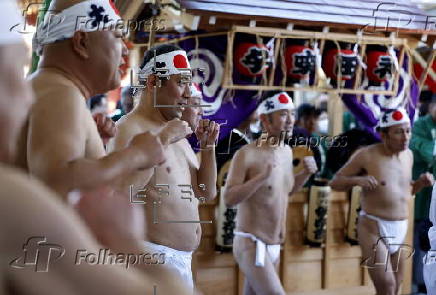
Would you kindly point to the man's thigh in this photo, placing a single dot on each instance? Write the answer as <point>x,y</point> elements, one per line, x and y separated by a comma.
<point>263,280</point>
<point>375,255</point>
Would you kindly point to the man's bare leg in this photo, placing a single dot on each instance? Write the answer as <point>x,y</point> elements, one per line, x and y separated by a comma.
<point>261,280</point>
<point>374,253</point>
<point>248,290</point>
<point>398,265</point>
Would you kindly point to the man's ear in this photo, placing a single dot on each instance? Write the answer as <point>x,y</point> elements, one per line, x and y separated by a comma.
<point>81,44</point>
<point>151,82</point>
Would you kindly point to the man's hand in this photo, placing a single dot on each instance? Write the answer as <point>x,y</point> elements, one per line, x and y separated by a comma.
<point>425,179</point>
<point>207,133</point>
<point>174,131</point>
<point>264,175</point>
<point>309,165</point>
<point>151,147</point>
<point>114,221</point>
<point>367,182</point>
<point>105,126</point>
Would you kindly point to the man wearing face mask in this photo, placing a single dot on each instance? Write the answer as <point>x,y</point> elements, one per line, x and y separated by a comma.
<point>260,181</point>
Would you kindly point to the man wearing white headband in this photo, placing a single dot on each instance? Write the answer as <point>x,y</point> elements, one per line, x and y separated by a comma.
<point>259,182</point>
<point>29,207</point>
<point>384,171</point>
<point>172,190</point>
<point>61,144</point>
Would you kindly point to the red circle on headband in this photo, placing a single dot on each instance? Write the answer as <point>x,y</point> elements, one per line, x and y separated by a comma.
<point>114,7</point>
<point>397,116</point>
<point>283,98</point>
<point>180,62</point>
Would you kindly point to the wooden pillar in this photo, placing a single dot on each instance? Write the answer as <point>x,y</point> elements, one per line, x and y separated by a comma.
<point>335,109</point>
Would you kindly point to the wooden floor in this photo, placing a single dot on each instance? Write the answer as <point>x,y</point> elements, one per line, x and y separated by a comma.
<point>361,290</point>
<point>334,268</point>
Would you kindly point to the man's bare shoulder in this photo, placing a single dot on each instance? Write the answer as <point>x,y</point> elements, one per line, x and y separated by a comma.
<point>129,123</point>
<point>365,151</point>
<point>54,90</point>
<point>137,123</point>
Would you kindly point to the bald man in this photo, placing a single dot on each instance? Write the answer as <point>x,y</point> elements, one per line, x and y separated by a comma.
<point>171,192</point>
<point>384,171</point>
<point>31,209</point>
<point>81,57</point>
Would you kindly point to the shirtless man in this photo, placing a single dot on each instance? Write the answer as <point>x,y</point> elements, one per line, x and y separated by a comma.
<point>260,181</point>
<point>171,190</point>
<point>61,144</point>
<point>383,171</point>
<point>22,200</point>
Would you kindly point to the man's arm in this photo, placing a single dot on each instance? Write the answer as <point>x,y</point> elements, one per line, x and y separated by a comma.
<point>301,178</point>
<point>172,132</point>
<point>57,142</point>
<point>421,144</point>
<point>237,188</point>
<point>207,133</point>
<point>424,180</point>
<point>205,175</point>
<point>61,227</point>
<point>347,176</point>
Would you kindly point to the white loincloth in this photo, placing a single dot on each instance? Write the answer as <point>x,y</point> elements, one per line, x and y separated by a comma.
<point>261,249</point>
<point>179,260</point>
<point>393,233</point>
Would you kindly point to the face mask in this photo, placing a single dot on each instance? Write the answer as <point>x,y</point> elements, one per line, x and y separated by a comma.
<point>255,127</point>
<point>323,126</point>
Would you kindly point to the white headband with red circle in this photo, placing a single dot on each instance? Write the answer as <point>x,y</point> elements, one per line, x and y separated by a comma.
<point>279,101</point>
<point>86,16</point>
<point>9,19</point>
<point>170,63</point>
<point>393,117</point>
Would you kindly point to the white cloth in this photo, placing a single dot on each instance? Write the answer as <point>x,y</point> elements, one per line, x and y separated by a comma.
<point>279,101</point>
<point>86,16</point>
<point>430,258</point>
<point>9,20</point>
<point>166,64</point>
<point>195,91</point>
<point>393,117</point>
<point>261,249</point>
<point>393,233</point>
<point>179,260</point>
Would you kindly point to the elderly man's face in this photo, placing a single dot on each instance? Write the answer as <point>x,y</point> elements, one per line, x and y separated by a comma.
<point>397,137</point>
<point>107,54</point>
